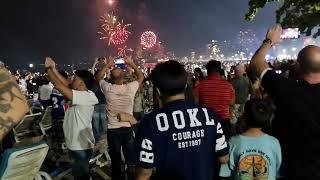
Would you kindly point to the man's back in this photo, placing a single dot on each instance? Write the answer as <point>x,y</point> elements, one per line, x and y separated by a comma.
<point>241,87</point>
<point>215,93</point>
<point>297,123</point>
<point>182,141</point>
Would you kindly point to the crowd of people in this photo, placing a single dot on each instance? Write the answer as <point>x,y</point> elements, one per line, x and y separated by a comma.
<point>256,121</point>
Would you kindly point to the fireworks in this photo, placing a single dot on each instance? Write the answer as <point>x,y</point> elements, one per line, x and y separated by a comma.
<point>119,35</point>
<point>123,51</point>
<point>214,50</point>
<point>108,21</point>
<point>114,31</point>
<point>247,40</point>
<point>148,39</point>
<point>110,2</point>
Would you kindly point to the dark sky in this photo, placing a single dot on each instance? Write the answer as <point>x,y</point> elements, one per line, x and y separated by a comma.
<point>67,29</point>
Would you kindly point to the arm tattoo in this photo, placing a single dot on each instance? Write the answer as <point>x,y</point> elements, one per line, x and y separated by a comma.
<point>4,77</point>
<point>7,87</point>
<point>6,125</point>
<point>9,92</point>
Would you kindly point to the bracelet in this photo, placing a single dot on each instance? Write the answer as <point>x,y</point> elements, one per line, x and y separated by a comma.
<point>268,40</point>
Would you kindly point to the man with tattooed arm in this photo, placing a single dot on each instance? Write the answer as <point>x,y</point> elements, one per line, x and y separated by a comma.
<point>13,104</point>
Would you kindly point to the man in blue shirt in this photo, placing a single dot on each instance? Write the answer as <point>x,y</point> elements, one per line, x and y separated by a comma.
<point>180,140</point>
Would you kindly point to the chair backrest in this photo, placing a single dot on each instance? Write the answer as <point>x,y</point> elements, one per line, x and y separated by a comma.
<point>26,124</point>
<point>46,120</point>
<point>30,101</point>
<point>23,163</point>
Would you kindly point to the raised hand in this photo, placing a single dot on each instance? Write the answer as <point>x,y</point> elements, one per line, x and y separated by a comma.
<point>49,63</point>
<point>110,61</point>
<point>96,60</point>
<point>274,34</point>
<point>128,60</point>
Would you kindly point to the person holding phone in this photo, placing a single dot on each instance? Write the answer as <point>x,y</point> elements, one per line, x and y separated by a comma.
<point>119,99</point>
<point>297,121</point>
<point>77,123</point>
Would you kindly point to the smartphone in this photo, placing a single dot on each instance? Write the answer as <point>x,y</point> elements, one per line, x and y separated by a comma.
<point>119,63</point>
<point>290,33</point>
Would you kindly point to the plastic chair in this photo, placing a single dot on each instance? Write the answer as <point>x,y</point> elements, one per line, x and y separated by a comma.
<point>24,163</point>
<point>25,126</point>
<point>46,120</point>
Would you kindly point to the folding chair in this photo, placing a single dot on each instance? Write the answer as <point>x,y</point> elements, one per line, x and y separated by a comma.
<point>46,120</point>
<point>24,163</point>
<point>26,126</point>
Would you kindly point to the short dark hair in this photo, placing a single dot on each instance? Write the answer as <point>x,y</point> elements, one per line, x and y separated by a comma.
<point>87,77</point>
<point>199,71</point>
<point>63,74</point>
<point>170,78</point>
<point>258,113</point>
<point>213,66</point>
<point>44,81</point>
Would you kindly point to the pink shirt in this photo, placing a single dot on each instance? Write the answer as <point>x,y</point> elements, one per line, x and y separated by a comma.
<point>119,98</point>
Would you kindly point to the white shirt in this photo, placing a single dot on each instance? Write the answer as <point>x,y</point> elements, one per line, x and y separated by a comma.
<point>23,84</point>
<point>119,98</point>
<point>77,125</point>
<point>45,91</point>
<point>264,72</point>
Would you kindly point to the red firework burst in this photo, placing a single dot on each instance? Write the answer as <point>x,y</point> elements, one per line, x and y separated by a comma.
<point>115,32</point>
<point>123,51</point>
<point>119,35</point>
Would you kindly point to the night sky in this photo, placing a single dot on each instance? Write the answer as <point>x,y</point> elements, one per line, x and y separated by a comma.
<point>67,29</point>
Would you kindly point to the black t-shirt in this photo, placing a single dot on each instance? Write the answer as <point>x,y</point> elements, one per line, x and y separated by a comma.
<point>297,124</point>
<point>57,104</point>
<point>182,141</point>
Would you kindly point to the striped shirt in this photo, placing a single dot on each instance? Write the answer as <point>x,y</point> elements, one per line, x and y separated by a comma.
<point>215,93</point>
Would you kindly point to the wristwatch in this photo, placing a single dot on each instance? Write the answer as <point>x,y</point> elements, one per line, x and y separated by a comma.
<point>268,40</point>
<point>46,69</point>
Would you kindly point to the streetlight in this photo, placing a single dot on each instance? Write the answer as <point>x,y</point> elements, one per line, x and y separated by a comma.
<point>294,49</point>
<point>200,57</point>
<point>31,65</point>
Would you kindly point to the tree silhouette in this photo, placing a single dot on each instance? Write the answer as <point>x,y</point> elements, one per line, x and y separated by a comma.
<point>303,14</point>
